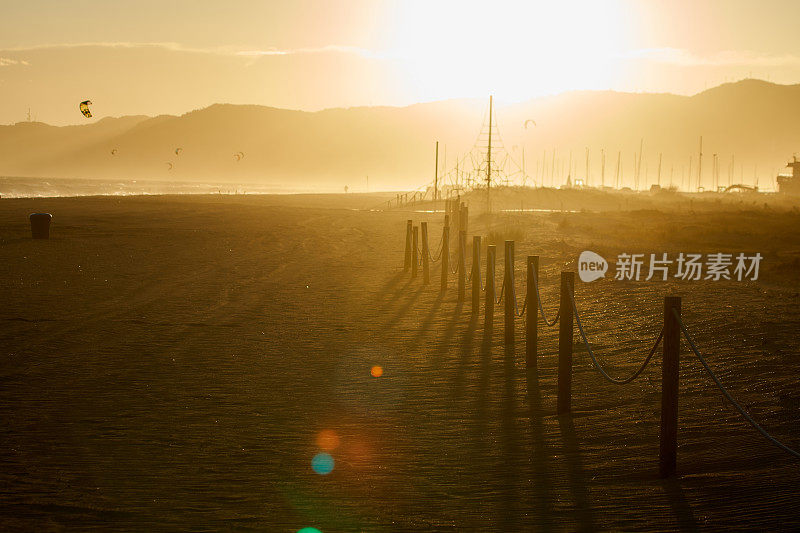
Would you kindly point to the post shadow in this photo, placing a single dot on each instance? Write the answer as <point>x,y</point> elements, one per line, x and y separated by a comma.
<point>542,486</point>
<point>577,475</point>
<point>427,321</point>
<point>509,446</point>
<point>390,284</point>
<point>484,382</point>
<point>465,352</point>
<point>404,308</point>
<point>679,504</point>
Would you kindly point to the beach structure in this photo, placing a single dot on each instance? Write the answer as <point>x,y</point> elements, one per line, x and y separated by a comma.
<point>790,184</point>
<point>40,225</point>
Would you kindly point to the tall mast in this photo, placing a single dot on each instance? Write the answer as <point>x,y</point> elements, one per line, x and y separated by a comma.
<point>616,178</point>
<point>602,168</point>
<point>639,164</point>
<point>586,183</point>
<point>544,160</point>
<point>436,175</point>
<point>700,163</point>
<point>659,170</point>
<point>489,162</point>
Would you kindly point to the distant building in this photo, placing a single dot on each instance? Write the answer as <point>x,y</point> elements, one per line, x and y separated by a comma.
<point>790,184</point>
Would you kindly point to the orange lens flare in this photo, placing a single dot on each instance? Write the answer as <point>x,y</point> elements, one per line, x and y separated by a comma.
<point>376,371</point>
<point>327,440</point>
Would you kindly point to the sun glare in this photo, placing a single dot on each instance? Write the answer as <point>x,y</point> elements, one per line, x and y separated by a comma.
<point>513,50</point>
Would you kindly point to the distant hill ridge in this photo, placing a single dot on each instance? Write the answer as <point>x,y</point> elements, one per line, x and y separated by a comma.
<point>753,121</point>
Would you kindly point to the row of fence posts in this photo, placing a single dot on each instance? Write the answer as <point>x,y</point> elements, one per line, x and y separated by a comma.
<point>671,341</point>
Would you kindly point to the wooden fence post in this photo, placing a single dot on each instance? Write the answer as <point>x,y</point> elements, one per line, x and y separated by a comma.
<point>426,273</point>
<point>565,332</point>
<point>407,263</point>
<point>445,257</point>
<point>462,265</point>
<point>465,218</point>
<point>508,281</point>
<point>488,318</point>
<point>532,314</point>
<point>668,446</point>
<point>414,251</point>
<point>476,273</point>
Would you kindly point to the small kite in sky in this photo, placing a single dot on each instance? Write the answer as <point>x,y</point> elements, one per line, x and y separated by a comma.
<point>84,107</point>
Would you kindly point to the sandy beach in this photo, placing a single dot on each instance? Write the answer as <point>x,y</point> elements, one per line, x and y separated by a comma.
<point>168,363</point>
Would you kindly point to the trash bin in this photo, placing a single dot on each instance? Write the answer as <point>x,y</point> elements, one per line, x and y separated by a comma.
<point>40,225</point>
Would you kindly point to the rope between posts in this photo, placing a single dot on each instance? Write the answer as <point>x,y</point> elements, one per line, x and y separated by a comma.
<point>502,290</point>
<point>514,297</point>
<point>541,309</point>
<point>469,276</point>
<point>440,247</point>
<point>727,395</point>
<point>596,363</point>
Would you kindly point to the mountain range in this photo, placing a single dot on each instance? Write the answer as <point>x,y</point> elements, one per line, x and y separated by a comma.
<point>752,126</point>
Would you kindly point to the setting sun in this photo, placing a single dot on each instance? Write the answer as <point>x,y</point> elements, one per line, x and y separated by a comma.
<point>510,49</point>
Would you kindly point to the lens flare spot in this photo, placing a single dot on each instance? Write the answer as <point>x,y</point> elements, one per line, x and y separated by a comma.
<point>376,371</point>
<point>327,439</point>
<point>309,530</point>
<point>322,464</point>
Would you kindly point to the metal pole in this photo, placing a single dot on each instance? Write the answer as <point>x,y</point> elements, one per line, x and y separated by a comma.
<point>489,163</point>
<point>436,175</point>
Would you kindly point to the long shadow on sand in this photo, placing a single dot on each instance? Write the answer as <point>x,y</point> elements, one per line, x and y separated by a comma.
<point>402,311</point>
<point>390,284</point>
<point>542,486</point>
<point>680,505</point>
<point>509,443</point>
<point>576,474</point>
<point>427,321</point>
<point>465,351</point>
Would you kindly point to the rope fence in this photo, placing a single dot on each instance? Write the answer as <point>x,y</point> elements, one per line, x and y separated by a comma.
<point>567,314</point>
<point>728,396</point>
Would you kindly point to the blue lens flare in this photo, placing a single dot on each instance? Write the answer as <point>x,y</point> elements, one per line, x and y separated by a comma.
<point>322,463</point>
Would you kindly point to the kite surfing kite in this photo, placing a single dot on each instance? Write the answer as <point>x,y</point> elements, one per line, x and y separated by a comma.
<point>178,151</point>
<point>84,107</point>
<point>113,151</point>
<point>239,156</point>
<point>531,121</point>
<point>169,165</point>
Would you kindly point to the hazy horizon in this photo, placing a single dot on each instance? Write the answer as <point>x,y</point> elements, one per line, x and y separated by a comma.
<point>498,103</point>
<point>153,58</point>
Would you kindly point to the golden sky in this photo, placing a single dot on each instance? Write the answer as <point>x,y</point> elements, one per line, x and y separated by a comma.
<point>154,57</point>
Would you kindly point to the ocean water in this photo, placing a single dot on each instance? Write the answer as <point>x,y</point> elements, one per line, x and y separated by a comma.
<point>21,187</point>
